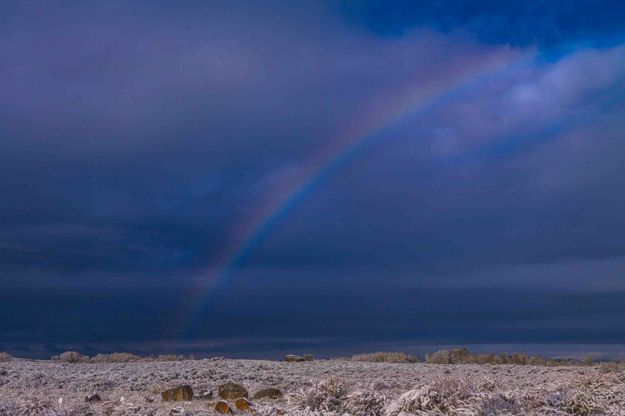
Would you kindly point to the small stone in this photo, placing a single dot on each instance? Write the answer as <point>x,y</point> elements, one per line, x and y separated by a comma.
<point>93,398</point>
<point>222,407</point>
<point>242,404</point>
<point>178,394</point>
<point>178,411</point>
<point>205,395</point>
<point>268,393</point>
<point>232,391</point>
<point>149,399</point>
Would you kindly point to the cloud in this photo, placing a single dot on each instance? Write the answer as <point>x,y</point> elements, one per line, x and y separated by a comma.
<point>145,128</point>
<point>135,140</point>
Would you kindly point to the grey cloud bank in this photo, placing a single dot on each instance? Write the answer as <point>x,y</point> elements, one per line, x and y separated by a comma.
<point>134,140</point>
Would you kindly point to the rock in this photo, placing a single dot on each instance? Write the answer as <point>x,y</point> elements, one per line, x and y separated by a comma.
<point>268,393</point>
<point>93,398</point>
<point>243,404</point>
<point>291,358</point>
<point>205,395</point>
<point>232,391</point>
<point>178,411</point>
<point>308,357</point>
<point>178,394</point>
<point>149,399</point>
<point>222,407</point>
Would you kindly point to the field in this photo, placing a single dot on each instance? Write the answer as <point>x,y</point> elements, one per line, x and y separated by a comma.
<point>318,387</point>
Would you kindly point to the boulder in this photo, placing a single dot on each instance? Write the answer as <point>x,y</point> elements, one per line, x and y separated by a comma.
<point>268,393</point>
<point>308,357</point>
<point>93,398</point>
<point>232,391</point>
<point>222,407</point>
<point>243,404</point>
<point>178,394</point>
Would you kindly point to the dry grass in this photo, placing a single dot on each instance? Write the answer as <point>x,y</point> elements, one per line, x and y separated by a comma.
<point>5,357</point>
<point>386,357</point>
<point>33,388</point>
<point>115,357</point>
<point>596,393</point>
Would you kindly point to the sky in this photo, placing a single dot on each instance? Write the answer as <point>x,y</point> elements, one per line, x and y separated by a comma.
<point>257,177</point>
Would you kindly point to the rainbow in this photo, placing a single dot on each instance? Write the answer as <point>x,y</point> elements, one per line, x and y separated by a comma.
<point>366,127</point>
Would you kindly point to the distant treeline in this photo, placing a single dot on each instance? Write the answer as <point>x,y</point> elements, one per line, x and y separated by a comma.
<point>464,356</point>
<point>115,357</point>
<point>444,356</point>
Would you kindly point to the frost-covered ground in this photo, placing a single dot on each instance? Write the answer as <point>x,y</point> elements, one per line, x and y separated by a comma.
<point>319,387</point>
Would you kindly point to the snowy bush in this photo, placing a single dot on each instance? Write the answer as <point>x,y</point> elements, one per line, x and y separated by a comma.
<point>326,396</point>
<point>386,357</point>
<point>71,357</point>
<point>446,396</point>
<point>365,403</point>
<point>36,407</point>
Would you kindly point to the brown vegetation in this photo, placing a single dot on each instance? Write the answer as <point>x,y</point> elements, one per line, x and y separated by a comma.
<point>115,357</point>
<point>385,357</point>
<point>5,357</point>
<point>463,356</point>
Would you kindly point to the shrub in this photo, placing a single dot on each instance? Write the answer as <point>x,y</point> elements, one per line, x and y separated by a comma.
<point>588,361</point>
<point>386,357</point>
<point>446,396</point>
<point>369,403</point>
<point>36,407</point>
<point>452,356</point>
<point>536,360</point>
<point>326,396</point>
<point>116,357</point>
<point>71,357</point>
<point>610,367</point>
<point>519,359</point>
<point>170,357</point>
<point>463,356</point>
<point>5,357</point>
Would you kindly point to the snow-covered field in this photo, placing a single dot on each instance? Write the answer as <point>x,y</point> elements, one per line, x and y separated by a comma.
<point>318,387</point>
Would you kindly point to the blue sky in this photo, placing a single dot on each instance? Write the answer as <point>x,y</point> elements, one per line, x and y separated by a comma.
<point>138,139</point>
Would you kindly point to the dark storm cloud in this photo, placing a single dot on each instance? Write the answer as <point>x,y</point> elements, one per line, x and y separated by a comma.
<point>162,136</point>
<point>135,139</point>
